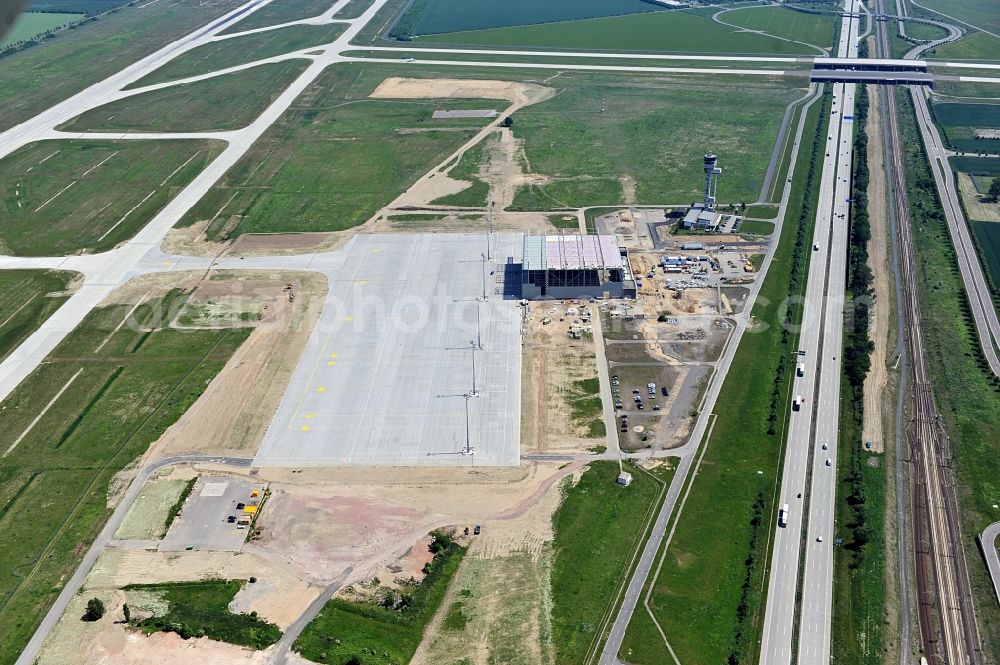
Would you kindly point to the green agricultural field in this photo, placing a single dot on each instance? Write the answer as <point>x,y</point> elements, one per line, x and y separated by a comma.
<point>961,120</point>
<point>988,239</point>
<point>335,157</point>
<point>699,596</point>
<point>90,195</point>
<point>280,11</point>
<point>27,298</point>
<point>35,79</point>
<point>601,128</point>
<point>230,101</point>
<point>598,527</point>
<point>118,398</point>
<point>215,56</point>
<point>980,13</point>
<point>30,24</point>
<point>976,165</point>
<point>374,634</point>
<point>974,46</point>
<point>667,32</point>
<point>817,29</point>
<point>967,394</point>
<point>425,17</point>
<point>202,608</point>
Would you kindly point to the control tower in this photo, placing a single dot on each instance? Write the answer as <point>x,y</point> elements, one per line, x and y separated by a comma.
<point>712,173</point>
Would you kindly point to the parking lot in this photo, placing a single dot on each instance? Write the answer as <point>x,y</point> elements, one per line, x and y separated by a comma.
<point>204,522</point>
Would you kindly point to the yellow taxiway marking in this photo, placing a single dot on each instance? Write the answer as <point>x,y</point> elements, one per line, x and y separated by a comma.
<point>310,416</point>
<point>362,282</point>
<point>333,355</point>
<point>305,428</point>
<point>330,363</point>
<point>348,318</point>
<point>321,389</point>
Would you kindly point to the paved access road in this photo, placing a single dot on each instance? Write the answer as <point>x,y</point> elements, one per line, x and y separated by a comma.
<point>988,541</point>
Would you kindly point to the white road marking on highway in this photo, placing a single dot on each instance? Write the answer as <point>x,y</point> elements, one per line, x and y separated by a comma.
<point>54,197</point>
<point>87,172</point>
<point>121,323</point>
<point>125,215</point>
<point>43,412</point>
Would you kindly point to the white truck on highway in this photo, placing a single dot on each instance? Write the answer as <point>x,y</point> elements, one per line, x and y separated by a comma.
<point>800,370</point>
<point>783,516</point>
<point>797,403</point>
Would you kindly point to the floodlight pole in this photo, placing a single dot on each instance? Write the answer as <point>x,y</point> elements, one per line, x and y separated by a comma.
<point>483,275</point>
<point>468,429</point>
<point>479,330</point>
<point>474,393</point>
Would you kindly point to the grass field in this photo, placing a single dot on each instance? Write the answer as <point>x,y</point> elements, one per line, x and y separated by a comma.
<point>239,50</point>
<point>73,6</point>
<point>27,298</point>
<point>30,24</point>
<point>925,31</point>
<point>668,32</point>
<point>973,46</point>
<point>698,595</point>
<point>988,238</point>
<point>968,396</point>
<point>467,169</point>
<point>597,528</point>
<point>426,17</point>
<point>334,158</point>
<point>35,79</point>
<point>280,11</point>
<point>354,9</point>
<point>961,120</point>
<point>371,634</point>
<point>56,476</point>
<point>815,29</point>
<point>600,128</point>
<point>201,609</point>
<point>757,228</point>
<point>90,195</point>
<point>231,101</point>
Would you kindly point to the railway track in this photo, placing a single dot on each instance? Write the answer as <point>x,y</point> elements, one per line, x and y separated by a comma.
<point>948,631</point>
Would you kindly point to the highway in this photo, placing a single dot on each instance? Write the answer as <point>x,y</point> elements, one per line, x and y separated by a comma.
<point>808,484</point>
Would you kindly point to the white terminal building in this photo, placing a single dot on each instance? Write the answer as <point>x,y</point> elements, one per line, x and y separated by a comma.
<point>575,266</point>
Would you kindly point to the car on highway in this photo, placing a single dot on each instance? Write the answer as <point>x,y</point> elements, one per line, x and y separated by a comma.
<point>825,446</point>
<point>829,462</point>
<point>819,539</point>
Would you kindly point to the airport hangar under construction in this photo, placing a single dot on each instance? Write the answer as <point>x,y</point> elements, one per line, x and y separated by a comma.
<point>575,266</point>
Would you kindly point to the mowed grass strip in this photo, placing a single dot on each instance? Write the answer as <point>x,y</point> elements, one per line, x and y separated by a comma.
<point>68,196</point>
<point>697,595</point>
<point>335,157</point>
<point>659,32</point>
<point>62,493</point>
<point>230,101</point>
<point>37,78</point>
<point>280,11</point>
<point>601,128</point>
<point>27,298</point>
<point>598,527</point>
<point>973,46</point>
<point>219,55</point>
<point>814,29</point>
